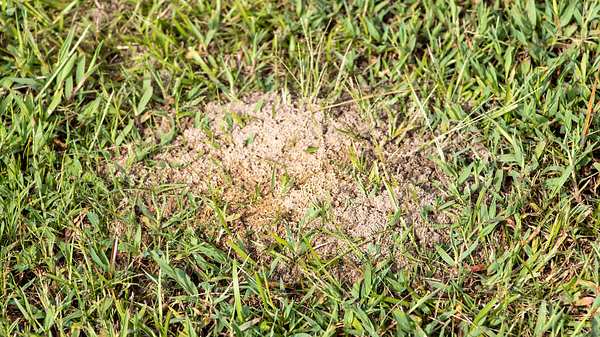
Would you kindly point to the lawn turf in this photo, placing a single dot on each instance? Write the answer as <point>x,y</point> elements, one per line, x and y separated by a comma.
<point>80,79</point>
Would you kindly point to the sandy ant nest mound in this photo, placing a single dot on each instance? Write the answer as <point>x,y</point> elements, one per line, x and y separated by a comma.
<point>277,165</point>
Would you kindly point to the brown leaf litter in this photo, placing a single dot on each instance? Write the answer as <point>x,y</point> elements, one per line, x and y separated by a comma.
<point>278,165</point>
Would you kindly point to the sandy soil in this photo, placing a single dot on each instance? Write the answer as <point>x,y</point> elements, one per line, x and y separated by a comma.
<point>282,166</point>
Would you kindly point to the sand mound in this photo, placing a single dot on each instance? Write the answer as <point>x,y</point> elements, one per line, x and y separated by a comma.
<point>277,165</point>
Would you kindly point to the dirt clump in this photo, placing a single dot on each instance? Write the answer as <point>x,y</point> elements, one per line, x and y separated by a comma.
<point>277,165</point>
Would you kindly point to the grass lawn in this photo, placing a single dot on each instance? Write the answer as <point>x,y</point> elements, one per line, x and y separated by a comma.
<point>85,251</point>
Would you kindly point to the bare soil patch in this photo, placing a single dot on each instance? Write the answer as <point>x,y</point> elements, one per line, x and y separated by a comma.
<point>281,166</point>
